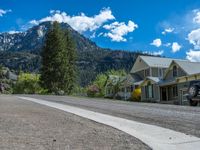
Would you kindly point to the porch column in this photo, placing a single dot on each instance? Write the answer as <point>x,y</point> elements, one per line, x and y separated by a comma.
<point>167,94</point>
<point>125,93</point>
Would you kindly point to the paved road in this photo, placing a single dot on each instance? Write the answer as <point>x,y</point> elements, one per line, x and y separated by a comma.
<point>27,125</point>
<point>185,119</point>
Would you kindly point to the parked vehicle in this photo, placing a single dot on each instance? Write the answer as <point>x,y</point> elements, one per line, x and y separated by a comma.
<point>193,95</point>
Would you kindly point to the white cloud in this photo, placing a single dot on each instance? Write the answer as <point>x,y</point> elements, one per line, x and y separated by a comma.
<point>34,22</point>
<point>155,53</point>
<point>100,34</point>
<point>80,23</point>
<point>175,47</point>
<point>196,18</point>
<point>168,30</point>
<point>3,12</point>
<point>93,35</point>
<point>194,38</point>
<point>119,29</point>
<point>157,42</point>
<point>193,55</point>
<point>14,32</point>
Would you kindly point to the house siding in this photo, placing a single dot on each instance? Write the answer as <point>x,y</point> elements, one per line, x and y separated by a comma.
<point>156,96</point>
<point>154,72</point>
<point>140,74</point>
<point>169,76</point>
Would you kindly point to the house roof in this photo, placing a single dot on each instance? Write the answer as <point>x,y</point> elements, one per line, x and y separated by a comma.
<point>113,79</point>
<point>161,62</point>
<point>167,82</point>
<point>155,80</point>
<point>190,68</point>
<point>130,79</point>
<point>139,82</point>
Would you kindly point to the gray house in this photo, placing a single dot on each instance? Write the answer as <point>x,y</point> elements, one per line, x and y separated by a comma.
<point>170,88</point>
<point>165,80</point>
<point>151,71</point>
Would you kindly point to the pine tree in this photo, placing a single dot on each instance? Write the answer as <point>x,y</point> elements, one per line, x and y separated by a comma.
<point>71,69</point>
<point>58,61</point>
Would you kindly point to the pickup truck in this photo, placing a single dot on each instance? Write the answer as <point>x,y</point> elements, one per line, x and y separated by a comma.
<point>193,95</point>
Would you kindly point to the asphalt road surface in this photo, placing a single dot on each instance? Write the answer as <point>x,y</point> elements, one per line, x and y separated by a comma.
<point>184,119</point>
<point>25,125</point>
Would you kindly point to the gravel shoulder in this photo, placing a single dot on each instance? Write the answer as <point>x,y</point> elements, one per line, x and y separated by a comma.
<point>184,119</point>
<point>26,125</point>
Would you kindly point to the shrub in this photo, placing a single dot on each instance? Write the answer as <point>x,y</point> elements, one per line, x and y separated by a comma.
<point>92,90</point>
<point>28,84</point>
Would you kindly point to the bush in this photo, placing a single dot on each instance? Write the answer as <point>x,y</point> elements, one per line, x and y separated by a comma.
<point>79,91</point>
<point>136,94</point>
<point>28,84</point>
<point>92,91</point>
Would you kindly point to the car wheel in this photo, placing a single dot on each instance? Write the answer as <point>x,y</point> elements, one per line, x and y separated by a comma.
<point>193,103</point>
<point>193,90</point>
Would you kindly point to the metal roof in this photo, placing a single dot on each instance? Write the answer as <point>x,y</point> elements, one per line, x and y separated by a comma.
<point>189,67</point>
<point>130,79</point>
<point>161,62</point>
<point>155,79</point>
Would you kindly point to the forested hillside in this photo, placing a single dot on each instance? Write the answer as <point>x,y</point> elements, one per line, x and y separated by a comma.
<point>21,51</point>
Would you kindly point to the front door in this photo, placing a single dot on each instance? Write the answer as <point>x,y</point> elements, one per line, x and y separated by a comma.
<point>164,94</point>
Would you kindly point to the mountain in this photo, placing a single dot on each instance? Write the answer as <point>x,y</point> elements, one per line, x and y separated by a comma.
<point>21,51</point>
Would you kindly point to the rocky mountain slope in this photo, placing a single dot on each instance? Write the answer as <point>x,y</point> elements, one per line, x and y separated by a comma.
<point>21,51</point>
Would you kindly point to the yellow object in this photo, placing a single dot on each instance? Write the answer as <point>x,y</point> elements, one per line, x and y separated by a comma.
<point>136,94</point>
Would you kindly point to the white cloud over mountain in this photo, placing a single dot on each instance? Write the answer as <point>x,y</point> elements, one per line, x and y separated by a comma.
<point>118,30</point>
<point>156,42</point>
<point>3,12</point>
<point>14,32</point>
<point>80,23</point>
<point>175,47</point>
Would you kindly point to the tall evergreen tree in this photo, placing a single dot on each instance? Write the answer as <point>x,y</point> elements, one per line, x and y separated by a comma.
<point>56,74</point>
<point>72,56</point>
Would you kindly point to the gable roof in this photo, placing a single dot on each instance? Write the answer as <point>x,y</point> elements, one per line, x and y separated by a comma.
<point>160,62</point>
<point>153,62</point>
<point>189,67</point>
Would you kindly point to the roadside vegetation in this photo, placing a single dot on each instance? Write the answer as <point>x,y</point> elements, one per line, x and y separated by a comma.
<point>28,84</point>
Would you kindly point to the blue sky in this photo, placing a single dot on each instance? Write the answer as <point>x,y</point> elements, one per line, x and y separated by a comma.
<point>167,27</point>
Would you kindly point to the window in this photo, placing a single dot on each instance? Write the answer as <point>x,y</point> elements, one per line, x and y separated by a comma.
<point>174,91</point>
<point>175,72</point>
<point>146,72</point>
